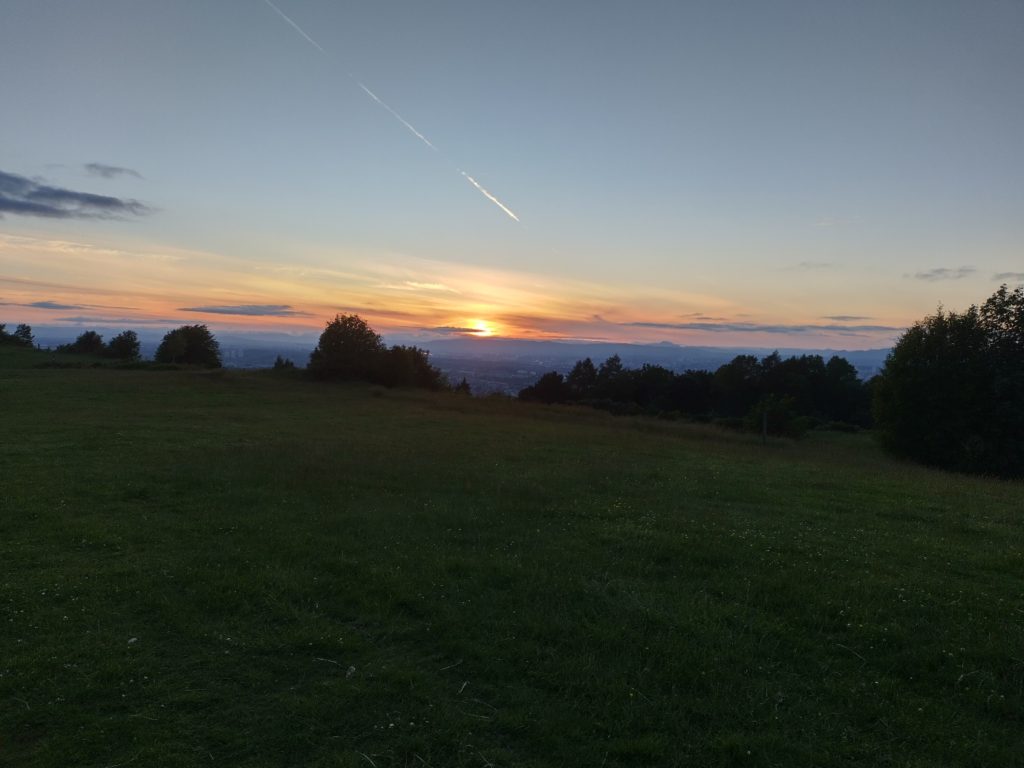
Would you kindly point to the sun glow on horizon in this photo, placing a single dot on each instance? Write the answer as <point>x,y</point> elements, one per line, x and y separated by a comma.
<point>482,328</point>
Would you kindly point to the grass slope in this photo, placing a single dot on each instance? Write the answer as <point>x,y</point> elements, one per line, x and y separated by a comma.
<point>217,568</point>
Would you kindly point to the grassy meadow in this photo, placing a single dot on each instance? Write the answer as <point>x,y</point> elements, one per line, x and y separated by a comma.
<point>203,568</point>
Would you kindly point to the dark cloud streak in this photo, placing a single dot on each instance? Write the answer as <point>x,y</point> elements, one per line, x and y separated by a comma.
<point>110,171</point>
<point>42,305</point>
<point>454,330</point>
<point>22,196</point>
<point>52,305</point>
<point>250,310</point>
<point>943,273</point>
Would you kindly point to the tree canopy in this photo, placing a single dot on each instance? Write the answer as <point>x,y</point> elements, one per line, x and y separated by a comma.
<point>349,349</point>
<point>951,393</point>
<point>22,335</point>
<point>87,343</point>
<point>124,346</point>
<point>190,345</point>
<point>790,394</point>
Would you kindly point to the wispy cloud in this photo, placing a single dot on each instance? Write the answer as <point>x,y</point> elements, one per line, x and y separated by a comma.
<point>845,318</point>
<point>29,197</point>
<point>110,171</point>
<point>452,330</point>
<point>767,327</point>
<point>42,305</point>
<point>700,316</point>
<point>99,320</point>
<point>57,305</point>
<point>807,266</point>
<point>250,310</point>
<point>412,285</point>
<point>1009,276</point>
<point>943,273</point>
<point>53,305</point>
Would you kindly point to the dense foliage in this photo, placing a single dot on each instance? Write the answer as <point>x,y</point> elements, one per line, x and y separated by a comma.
<point>350,350</point>
<point>191,345</point>
<point>87,343</point>
<point>124,346</point>
<point>952,390</point>
<point>22,335</point>
<point>789,395</point>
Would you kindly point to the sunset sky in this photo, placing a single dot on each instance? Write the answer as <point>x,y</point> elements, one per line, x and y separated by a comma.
<point>792,174</point>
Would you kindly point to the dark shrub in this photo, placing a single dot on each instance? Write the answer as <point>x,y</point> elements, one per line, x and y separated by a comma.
<point>124,346</point>
<point>952,390</point>
<point>190,345</point>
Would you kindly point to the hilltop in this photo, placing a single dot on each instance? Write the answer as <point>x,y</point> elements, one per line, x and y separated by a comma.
<point>247,568</point>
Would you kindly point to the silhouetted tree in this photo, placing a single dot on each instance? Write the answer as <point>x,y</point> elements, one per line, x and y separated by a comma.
<point>190,345</point>
<point>23,335</point>
<point>87,343</point>
<point>802,388</point>
<point>550,388</point>
<point>651,387</point>
<point>613,381</point>
<point>737,386</point>
<point>463,387</point>
<point>283,364</point>
<point>848,399</point>
<point>582,380</point>
<point>124,346</point>
<point>779,414</point>
<point>406,367</point>
<point>348,349</point>
<point>691,393</point>
<point>5,337</point>
<point>952,389</point>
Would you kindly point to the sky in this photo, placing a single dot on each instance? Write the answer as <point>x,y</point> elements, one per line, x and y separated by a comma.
<point>787,174</point>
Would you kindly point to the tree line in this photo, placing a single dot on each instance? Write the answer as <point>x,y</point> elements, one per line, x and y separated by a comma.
<point>21,337</point>
<point>348,349</point>
<point>951,392</point>
<point>788,396</point>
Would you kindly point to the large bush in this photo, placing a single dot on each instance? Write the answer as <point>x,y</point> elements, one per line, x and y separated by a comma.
<point>87,343</point>
<point>124,346</point>
<point>191,345</point>
<point>349,349</point>
<point>22,335</point>
<point>951,393</point>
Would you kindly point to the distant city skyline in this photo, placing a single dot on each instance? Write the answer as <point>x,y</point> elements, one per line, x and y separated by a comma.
<point>794,174</point>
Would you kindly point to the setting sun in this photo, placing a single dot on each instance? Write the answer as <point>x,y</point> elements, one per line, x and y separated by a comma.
<point>481,328</point>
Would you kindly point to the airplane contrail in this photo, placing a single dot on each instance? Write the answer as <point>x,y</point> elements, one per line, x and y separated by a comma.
<point>488,195</point>
<point>397,116</point>
<point>296,27</point>
<point>409,126</point>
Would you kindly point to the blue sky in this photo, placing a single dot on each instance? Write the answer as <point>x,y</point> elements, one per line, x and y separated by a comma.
<point>726,173</point>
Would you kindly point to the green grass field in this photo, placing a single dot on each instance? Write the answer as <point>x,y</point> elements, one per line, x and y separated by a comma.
<point>247,569</point>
